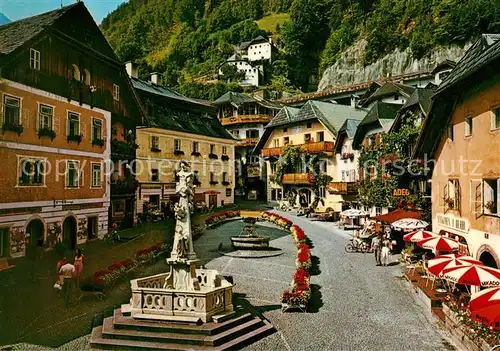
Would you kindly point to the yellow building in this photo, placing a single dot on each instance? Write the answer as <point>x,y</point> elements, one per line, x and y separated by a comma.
<point>315,128</point>
<point>181,129</point>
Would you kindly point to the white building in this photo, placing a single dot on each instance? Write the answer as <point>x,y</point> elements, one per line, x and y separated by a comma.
<point>260,49</point>
<point>252,73</point>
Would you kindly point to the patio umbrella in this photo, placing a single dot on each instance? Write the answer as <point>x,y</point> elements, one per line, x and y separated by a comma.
<point>410,223</point>
<point>352,212</point>
<point>439,243</point>
<point>489,316</point>
<point>418,235</point>
<point>484,299</point>
<point>440,263</point>
<point>473,275</point>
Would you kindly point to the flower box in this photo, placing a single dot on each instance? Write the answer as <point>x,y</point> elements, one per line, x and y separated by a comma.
<point>213,182</point>
<point>224,158</point>
<point>98,142</point>
<point>155,149</point>
<point>178,152</point>
<point>13,127</point>
<point>195,153</point>
<point>46,132</point>
<point>225,183</point>
<point>213,156</point>
<point>76,138</point>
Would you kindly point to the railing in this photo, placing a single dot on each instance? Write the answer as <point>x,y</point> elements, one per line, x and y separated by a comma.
<point>247,142</point>
<point>312,148</point>
<point>343,187</point>
<point>298,178</point>
<point>123,186</point>
<point>246,119</point>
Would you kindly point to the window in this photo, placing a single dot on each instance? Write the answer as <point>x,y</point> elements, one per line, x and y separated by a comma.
<point>11,110</point>
<point>252,133</point>
<point>155,142</point>
<point>378,211</point>
<point>96,129</point>
<point>285,130</point>
<point>224,150</point>
<point>322,166</point>
<point>450,132</point>
<point>34,59</point>
<point>286,140</point>
<point>490,196</point>
<point>235,133</point>
<point>224,177</point>
<point>155,175</point>
<point>229,191</point>
<point>116,92</point>
<point>212,148</point>
<point>177,144</point>
<point>320,136</point>
<point>96,174</point>
<point>72,174</point>
<point>196,146</point>
<point>495,119</point>
<point>45,117</point>
<point>468,126</point>
<point>452,194</point>
<point>273,167</point>
<point>212,177</point>
<point>31,172</point>
<point>73,126</point>
<point>322,191</point>
<point>342,175</point>
<point>307,138</point>
<point>309,125</point>
<point>276,143</point>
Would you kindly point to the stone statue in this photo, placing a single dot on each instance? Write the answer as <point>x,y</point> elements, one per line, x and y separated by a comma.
<point>183,239</point>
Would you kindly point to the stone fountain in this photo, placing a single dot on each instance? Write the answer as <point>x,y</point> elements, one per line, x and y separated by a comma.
<point>248,239</point>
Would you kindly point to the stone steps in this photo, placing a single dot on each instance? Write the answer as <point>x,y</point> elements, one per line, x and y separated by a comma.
<point>126,333</point>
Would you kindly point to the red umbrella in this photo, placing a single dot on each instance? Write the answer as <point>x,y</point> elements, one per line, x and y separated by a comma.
<point>440,263</point>
<point>473,275</point>
<point>489,316</point>
<point>418,236</point>
<point>484,298</point>
<point>439,243</point>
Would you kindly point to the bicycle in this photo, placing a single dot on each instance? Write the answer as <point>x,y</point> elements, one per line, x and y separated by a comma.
<point>356,245</point>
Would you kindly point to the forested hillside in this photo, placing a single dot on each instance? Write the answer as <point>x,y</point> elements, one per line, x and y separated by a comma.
<point>189,39</point>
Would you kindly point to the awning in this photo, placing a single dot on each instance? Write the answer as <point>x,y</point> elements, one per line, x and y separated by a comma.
<point>212,192</point>
<point>397,215</point>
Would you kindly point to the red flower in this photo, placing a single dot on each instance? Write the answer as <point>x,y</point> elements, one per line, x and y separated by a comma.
<point>301,276</point>
<point>303,256</point>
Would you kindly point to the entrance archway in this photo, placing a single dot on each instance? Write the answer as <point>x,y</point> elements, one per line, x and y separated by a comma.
<point>35,229</point>
<point>488,259</point>
<point>69,232</point>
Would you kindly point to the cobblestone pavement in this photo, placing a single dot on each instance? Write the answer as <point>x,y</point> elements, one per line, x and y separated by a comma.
<point>357,306</point>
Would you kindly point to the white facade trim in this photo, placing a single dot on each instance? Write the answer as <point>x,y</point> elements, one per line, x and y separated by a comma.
<point>52,150</point>
<point>11,205</point>
<point>176,134</point>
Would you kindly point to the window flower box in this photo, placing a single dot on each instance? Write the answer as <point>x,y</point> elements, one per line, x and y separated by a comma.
<point>224,158</point>
<point>213,156</point>
<point>178,152</point>
<point>214,182</point>
<point>225,183</point>
<point>98,142</point>
<point>13,127</point>
<point>46,132</point>
<point>195,153</point>
<point>347,156</point>
<point>155,149</point>
<point>450,202</point>
<point>76,138</point>
<point>491,206</point>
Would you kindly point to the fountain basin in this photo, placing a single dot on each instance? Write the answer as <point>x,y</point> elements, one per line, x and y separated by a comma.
<point>250,242</point>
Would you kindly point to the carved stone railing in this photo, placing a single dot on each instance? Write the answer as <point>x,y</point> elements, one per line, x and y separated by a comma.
<point>214,297</point>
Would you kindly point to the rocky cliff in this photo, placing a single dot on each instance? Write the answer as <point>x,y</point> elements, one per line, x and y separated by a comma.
<point>349,68</point>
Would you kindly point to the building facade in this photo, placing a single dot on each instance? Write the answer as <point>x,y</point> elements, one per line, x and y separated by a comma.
<point>180,129</point>
<point>58,101</point>
<point>251,75</point>
<point>245,117</point>
<point>462,135</point>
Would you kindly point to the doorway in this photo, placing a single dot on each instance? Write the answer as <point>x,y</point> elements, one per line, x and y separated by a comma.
<point>4,242</point>
<point>92,229</point>
<point>488,260</point>
<point>69,233</point>
<point>212,201</point>
<point>35,230</point>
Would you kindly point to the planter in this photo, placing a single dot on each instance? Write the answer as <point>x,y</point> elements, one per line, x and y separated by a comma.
<point>214,182</point>
<point>75,138</point>
<point>98,142</point>
<point>213,156</point>
<point>155,149</point>
<point>178,152</point>
<point>224,158</point>
<point>195,153</point>
<point>13,127</point>
<point>46,132</point>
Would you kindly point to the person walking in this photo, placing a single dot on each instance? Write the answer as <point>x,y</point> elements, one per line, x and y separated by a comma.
<point>68,273</point>
<point>78,266</point>
<point>376,247</point>
<point>386,246</point>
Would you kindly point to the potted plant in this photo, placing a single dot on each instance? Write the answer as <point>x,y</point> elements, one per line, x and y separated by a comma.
<point>450,202</point>
<point>224,158</point>
<point>155,149</point>
<point>14,127</point>
<point>225,183</point>
<point>213,156</point>
<point>195,153</point>
<point>214,182</point>
<point>491,206</point>
<point>75,137</point>
<point>98,142</point>
<point>46,132</point>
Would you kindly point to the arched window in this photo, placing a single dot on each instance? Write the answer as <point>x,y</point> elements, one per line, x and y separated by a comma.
<point>86,77</point>
<point>76,72</point>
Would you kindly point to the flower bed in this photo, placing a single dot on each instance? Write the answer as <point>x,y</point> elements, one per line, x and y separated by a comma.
<point>221,216</point>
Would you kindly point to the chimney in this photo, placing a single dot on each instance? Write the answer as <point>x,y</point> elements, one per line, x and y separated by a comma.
<point>156,78</point>
<point>131,68</point>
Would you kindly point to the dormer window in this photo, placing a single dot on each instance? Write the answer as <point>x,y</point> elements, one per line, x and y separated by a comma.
<point>34,59</point>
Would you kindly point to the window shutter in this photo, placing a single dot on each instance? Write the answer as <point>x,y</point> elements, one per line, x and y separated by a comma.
<point>444,195</point>
<point>81,174</point>
<point>37,121</point>
<point>458,192</point>
<point>476,197</point>
<point>67,173</point>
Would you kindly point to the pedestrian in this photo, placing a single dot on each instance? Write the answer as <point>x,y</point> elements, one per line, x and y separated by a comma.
<point>38,255</point>
<point>376,242</point>
<point>59,278</point>
<point>78,266</point>
<point>386,248</point>
<point>67,272</point>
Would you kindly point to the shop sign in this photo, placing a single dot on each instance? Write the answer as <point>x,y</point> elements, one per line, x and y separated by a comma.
<point>62,202</point>
<point>401,192</point>
<point>151,186</point>
<point>457,224</point>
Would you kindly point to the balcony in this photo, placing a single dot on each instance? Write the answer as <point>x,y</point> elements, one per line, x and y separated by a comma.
<point>298,178</point>
<point>247,142</point>
<point>311,148</point>
<point>123,150</point>
<point>123,186</point>
<point>343,188</point>
<point>246,119</point>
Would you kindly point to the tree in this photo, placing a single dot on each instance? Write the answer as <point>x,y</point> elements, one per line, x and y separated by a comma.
<point>231,73</point>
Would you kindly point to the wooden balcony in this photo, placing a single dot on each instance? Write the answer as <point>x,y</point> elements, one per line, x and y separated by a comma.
<point>298,178</point>
<point>247,142</point>
<point>246,119</point>
<point>343,188</point>
<point>311,148</point>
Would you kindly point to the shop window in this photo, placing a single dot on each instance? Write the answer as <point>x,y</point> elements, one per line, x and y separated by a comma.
<point>72,174</point>
<point>468,126</point>
<point>155,175</point>
<point>491,196</point>
<point>31,172</point>
<point>34,59</point>
<point>96,175</point>
<point>11,110</point>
